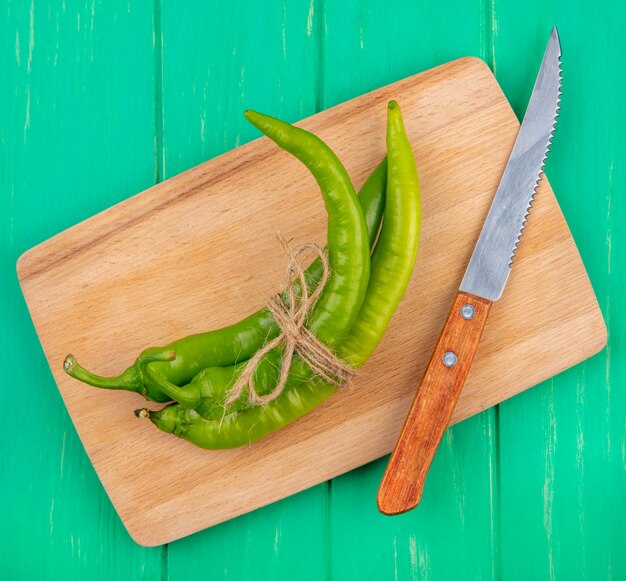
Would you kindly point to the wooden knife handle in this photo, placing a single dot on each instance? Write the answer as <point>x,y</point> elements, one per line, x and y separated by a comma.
<point>402,484</point>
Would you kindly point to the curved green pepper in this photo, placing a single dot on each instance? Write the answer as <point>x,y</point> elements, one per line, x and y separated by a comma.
<point>348,247</point>
<point>179,362</point>
<point>392,265</point>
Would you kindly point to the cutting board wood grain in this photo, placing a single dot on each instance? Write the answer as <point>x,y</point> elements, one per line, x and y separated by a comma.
<point>199,251</point>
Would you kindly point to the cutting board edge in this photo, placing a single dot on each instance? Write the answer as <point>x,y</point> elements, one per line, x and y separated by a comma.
<point>21,265</point>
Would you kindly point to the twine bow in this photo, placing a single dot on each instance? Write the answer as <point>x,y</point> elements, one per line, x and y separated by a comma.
<point>291,315</point>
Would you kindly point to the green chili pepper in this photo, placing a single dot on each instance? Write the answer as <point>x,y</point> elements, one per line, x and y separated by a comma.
<point>391,268</point>
<point>337,308</point>
<point>177,363</point>
<point>348,248</point>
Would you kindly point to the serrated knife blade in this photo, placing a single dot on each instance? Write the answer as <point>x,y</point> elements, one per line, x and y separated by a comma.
<point>484,280</point>
<point>490,265</point>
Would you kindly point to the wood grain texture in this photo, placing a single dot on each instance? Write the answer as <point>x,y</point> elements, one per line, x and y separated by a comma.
<point>403,482</point>
<point>462,129</point>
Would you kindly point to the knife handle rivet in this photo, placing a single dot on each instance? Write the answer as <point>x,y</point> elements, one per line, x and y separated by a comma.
<point>467,312</point>
<point>449,358</point>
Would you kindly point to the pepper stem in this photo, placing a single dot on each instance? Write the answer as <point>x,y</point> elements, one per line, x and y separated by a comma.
<point>187,396</point>
<point>129,380</point>
<point>166,419</point>
<point>155,354</point>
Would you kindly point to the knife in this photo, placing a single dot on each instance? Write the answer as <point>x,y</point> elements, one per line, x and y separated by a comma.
<point>484,280</point>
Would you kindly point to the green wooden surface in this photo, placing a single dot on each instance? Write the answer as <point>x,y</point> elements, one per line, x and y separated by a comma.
<point>100,99</point>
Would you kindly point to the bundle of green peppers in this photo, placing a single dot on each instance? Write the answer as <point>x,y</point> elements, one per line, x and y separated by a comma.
<point>370,267</point>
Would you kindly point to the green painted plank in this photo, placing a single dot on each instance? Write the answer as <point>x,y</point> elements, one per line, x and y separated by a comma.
<point>283,541</point>
<point>370,44</point>
<point>453,533</point>
<point>562,443</point>
<point>79,79</point>
<point>217,60</point>
<point>76,134</point>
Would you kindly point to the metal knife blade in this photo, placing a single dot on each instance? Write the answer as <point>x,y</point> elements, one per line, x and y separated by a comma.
<point>490,265</point>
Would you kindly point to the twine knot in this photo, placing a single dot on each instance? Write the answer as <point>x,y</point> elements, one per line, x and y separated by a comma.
<point>291,314</point>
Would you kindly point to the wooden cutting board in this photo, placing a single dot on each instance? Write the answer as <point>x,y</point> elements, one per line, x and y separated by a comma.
<point>198,251</point>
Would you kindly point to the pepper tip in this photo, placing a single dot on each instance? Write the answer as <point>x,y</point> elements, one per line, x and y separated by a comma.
<point>142,413</point>
<point>393,104</point>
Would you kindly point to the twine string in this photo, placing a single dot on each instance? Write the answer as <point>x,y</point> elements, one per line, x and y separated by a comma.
<point>291,315</point>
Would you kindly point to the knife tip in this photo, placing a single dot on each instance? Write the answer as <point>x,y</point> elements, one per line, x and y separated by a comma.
<point>554,37</point>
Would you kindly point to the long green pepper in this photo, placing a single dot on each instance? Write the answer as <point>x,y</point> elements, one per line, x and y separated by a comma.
<point>179,362</point>
<point>207,391</point>
<point>340,301</point>
<point>391,268</point>
<point>348,245</point>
